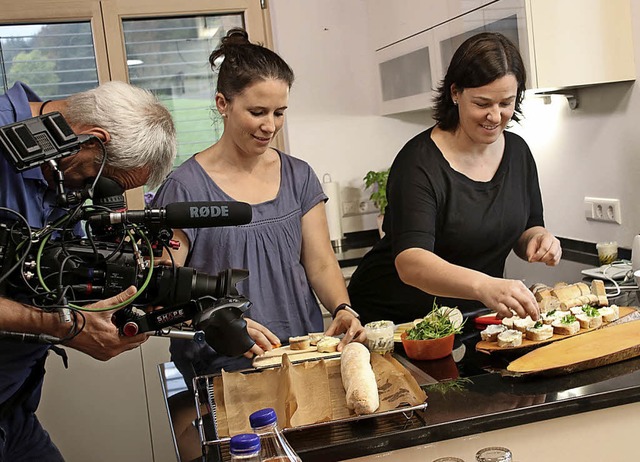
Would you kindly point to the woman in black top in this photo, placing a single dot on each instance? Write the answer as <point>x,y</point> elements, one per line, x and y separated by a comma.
<point>462,195</point>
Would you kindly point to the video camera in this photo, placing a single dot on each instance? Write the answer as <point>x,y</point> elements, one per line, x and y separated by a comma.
<point>53,269</point>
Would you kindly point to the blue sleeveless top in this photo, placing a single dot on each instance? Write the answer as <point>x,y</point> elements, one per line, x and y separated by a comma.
<point>269,247</point>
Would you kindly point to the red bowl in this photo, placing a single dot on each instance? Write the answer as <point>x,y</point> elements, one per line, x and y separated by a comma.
<point>428,349</point>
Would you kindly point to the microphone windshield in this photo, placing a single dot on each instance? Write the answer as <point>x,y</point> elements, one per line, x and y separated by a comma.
<point>207,214</point>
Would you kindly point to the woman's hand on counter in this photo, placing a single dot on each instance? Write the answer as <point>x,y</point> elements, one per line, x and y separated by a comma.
<point>348,324</point>
<point>264,338</point>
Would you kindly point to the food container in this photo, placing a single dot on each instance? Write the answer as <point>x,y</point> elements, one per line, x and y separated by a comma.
<point>428,349</point>
<point>380,336</point>
<point>493,454</point>
<point>607,252</point>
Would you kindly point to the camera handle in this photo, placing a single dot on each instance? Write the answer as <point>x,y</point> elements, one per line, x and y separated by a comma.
<point>221,320</point>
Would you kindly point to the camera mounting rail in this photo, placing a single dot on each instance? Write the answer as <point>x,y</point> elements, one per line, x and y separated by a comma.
<point>225,330</point>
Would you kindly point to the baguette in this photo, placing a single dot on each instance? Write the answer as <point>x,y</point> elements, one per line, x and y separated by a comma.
<point>598,289</point>
<point>328,345</point>
<point>609,313</point>
<point>561,327</point>
<point>589,322</point>
<point>358,379</point>
<point>299,343</point>
<point>549,304</point>
<point>510,338</point>
<point>315,337</point>
<point>490,334</point>
<point>539,333</point>
<point>521,324</point>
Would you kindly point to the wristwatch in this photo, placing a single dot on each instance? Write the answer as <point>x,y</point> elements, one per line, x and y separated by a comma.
<point>347,308</point>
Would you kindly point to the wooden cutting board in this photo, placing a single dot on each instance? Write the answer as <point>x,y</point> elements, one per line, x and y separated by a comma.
<point>274,357</point>
<point>492,347</point>
<point>591,349</point>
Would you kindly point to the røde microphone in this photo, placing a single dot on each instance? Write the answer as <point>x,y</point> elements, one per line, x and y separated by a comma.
<point>181,215</point>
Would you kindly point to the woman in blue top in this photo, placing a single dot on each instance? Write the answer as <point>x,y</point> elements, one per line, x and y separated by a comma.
<point>286,247</point>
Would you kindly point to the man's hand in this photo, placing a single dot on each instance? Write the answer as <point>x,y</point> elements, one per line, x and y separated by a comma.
<point>100,338</point>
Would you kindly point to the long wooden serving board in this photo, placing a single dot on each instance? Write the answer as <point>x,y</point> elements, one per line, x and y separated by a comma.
<point>274,357</point>
<point>591,349</point>
<point>492,347</point>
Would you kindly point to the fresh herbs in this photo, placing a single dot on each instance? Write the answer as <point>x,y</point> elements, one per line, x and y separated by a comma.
<point>590,311</point>
<point>568,319</point>
<point>436,324</point>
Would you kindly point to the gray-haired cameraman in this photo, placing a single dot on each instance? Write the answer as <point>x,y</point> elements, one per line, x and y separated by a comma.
<point>138,136</point>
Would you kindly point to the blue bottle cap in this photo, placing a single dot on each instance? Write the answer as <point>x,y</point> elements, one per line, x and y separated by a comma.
<point>244,443</point>
<point>263,417</point>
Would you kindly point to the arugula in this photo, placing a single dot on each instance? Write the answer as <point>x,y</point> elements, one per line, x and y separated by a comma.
<point>435,325</point>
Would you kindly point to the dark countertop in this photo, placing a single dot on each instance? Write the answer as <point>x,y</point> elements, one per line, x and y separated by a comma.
<point>466,396</point>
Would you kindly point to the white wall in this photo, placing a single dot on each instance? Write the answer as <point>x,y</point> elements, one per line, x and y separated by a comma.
<point>332,119</point>
<point>333,122</point>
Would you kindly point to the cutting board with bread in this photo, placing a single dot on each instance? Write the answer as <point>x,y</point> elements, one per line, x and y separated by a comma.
<point>592,349</point>
<point>566,310</point>
<point>303,348</point>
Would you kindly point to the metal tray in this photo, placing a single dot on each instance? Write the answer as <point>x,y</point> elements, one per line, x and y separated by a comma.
<point>207,425</point>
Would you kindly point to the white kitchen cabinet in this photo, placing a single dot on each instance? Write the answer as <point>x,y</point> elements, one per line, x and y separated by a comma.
<point>564,45</point>
<point>394,21</point>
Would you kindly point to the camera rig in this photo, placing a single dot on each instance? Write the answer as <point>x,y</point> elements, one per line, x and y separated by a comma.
<point>54,269</point>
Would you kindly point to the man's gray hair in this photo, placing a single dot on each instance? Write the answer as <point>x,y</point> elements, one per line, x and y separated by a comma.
<point>141,128</point>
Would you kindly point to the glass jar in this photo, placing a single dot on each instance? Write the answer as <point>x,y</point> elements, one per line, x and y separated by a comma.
<point>275,446</point>
<point>449,459</point>
<point>245,447</point>
<point>493,454</point>
<point>380,336</point>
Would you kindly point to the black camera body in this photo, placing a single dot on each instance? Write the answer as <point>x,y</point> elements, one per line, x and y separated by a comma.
<point>52,269</point>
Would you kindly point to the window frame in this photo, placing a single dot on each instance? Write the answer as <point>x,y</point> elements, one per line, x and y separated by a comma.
<point>106,18</point>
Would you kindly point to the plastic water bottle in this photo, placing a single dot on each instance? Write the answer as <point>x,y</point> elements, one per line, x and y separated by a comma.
<point>245,447</point>
<point>275,446</point>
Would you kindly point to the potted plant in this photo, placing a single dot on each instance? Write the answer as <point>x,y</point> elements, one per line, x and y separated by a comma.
<point>378,180</point>
<point>432,337</point>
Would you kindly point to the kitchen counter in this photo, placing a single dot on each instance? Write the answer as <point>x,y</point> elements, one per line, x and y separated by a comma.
<point>466,395</point>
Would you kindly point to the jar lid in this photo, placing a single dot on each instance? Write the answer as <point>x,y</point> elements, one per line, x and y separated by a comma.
<point>244,443</point>
<point>493,454</point>
<point>263,417</point>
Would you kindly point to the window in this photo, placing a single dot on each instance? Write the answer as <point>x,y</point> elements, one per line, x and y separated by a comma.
<point>169,56</point>
<point>55,60</point>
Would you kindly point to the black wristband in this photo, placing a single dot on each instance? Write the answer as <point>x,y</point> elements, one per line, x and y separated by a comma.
<point>347,307</point>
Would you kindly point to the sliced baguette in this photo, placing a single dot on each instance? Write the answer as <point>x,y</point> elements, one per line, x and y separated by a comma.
<point>510,338</point>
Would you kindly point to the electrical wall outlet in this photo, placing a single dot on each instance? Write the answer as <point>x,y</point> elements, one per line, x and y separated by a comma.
<point>350,208</point>
<point>367,207</point>
<point>602,209</point>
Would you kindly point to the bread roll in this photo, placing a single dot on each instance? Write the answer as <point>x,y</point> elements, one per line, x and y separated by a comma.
<point>609,314</point>
<point>490,334</point>
<point>539,333</point>
<point>589,322</point>
<point>315,337</point>
<point>510,338</point>
<point>565,328</point>
<point>358,379</point>
<point>328,344</point>
<point>299,343</point>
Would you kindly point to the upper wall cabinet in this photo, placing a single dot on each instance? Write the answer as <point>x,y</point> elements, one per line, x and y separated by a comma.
<point>564,45</point>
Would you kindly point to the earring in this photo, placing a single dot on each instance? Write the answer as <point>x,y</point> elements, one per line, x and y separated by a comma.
<point>223,115</point>
<point>455,102</point>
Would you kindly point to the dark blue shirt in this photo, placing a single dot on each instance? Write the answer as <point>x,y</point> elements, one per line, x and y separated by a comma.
<point>27,194</point>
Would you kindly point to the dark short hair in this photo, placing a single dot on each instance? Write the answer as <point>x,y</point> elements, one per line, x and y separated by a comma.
<point>480,60</point>
<point>244,63</point>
